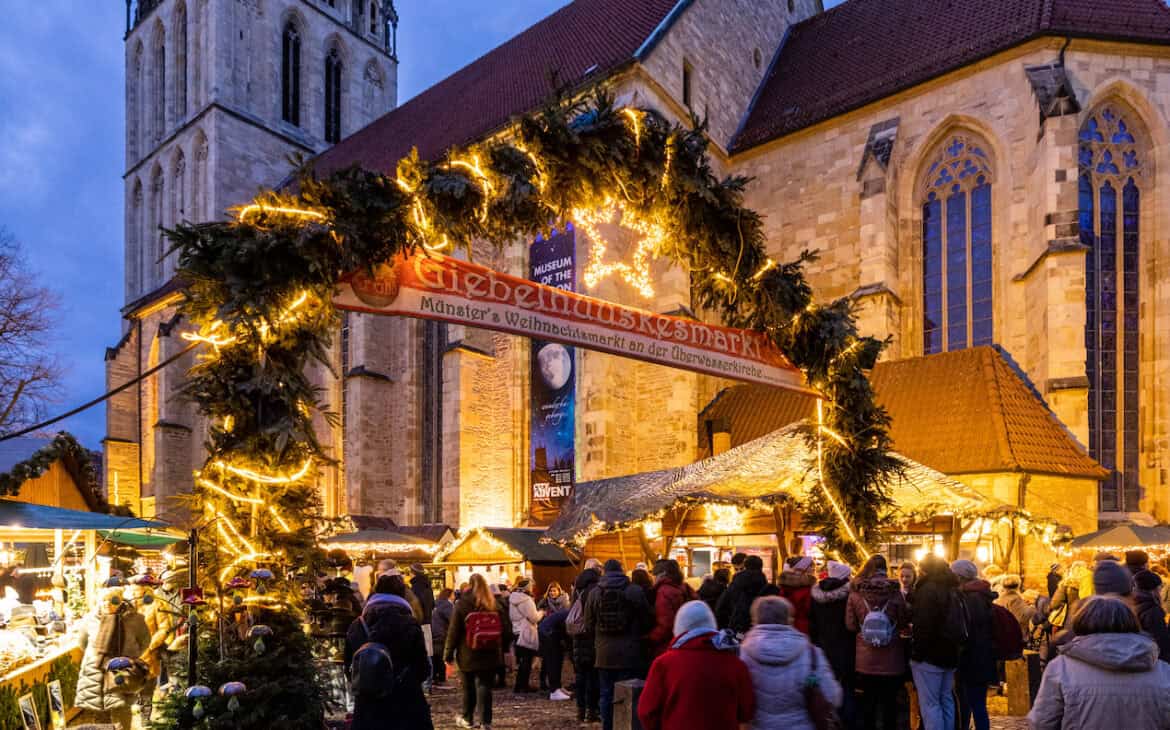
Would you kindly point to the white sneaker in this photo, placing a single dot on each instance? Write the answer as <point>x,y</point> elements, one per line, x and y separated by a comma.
<point>560,696</point>
<point>460,722</point>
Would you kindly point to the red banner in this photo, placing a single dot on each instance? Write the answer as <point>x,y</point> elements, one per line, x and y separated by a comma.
<point>452,290</point>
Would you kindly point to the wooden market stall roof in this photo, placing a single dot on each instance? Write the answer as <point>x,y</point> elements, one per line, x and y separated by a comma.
<point>53,471</point>
<point>779,467</point>
<point>970,411</point>
<point>387,542</point>
<point>502,545</point>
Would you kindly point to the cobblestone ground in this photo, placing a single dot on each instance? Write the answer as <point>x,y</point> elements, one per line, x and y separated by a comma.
<point>536,712</point>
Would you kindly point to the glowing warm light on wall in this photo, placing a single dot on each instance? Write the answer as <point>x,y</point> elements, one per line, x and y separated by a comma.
<point>982,553</point>
<point>636,272</point>
<point>724,519</point>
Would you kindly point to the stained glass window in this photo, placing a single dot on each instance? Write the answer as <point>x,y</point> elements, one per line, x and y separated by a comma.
<point>1110,216</point>
<point>956,248</point>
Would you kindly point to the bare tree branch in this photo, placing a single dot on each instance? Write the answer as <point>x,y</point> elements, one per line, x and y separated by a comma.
<point>29,374</point>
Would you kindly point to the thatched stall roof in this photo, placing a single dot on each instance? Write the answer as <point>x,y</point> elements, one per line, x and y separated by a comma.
<point>780,467</point>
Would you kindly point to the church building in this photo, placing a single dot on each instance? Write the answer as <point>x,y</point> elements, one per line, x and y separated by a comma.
<point>986,178</point>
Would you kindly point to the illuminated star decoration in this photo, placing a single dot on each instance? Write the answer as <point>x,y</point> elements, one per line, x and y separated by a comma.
<point>636,272</point>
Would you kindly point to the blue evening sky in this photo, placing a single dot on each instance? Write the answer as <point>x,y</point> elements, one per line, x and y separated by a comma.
<point>62,157</point>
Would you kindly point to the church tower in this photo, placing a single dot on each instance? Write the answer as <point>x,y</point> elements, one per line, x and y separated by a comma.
<point>219,95</point>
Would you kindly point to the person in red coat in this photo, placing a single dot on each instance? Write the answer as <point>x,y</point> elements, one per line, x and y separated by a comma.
<point>700,682</point>
<point>796,582</point>
<point>670,593</point>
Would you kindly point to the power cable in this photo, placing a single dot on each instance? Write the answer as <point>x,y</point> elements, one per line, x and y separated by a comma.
<point>102,398</point>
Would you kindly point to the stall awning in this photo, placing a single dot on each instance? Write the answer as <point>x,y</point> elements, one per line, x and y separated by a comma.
<point>1124,536</point>
<point>380,541</point>
<point>776,468</point>
<point>22,520</point>
<point>501,546</point>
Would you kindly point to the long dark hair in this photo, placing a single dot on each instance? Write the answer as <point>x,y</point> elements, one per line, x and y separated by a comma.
<point>875,564</point>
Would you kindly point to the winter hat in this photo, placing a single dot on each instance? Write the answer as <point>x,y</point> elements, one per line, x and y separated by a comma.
<point>613,566</point>
<point>417,569</point>
<point>1111,577</point>
<point>840,571</point>
<point>693,615</point>
<point>798,564</point>
<point>1011,581</point>
<point>965,569</point>
<point>593,564</point>
<point>1147,580</point>
<point>639,566</point>
<point>522,583</point>
<point>1104,556</point>
<point>1135,560</point>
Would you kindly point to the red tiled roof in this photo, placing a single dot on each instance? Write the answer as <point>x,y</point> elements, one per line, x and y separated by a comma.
<point>963,412</point>
<point>864,50</point>
<point>583,39</point>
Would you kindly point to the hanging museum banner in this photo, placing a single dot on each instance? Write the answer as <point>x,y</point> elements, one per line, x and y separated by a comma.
<point>433,286</point>
<point>552,263</point>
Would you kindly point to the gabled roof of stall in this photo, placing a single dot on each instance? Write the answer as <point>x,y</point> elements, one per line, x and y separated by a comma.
<point>778,467</point>
<point>964,412</point>
<point>522,542</point>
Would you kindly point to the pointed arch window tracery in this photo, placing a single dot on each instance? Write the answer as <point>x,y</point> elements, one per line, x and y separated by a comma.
<point>957,247</point>
<point>1111,181</point>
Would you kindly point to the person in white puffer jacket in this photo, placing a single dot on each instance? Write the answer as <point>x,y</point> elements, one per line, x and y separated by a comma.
<point>525,619</point>
<point>780,660</point>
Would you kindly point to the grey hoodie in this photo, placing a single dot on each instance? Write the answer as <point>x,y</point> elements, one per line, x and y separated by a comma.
<point>1099,679</point>
<point>779,659</point>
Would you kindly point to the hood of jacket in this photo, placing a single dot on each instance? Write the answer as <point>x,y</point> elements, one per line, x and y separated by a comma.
<point>382,599</point>
<point>1115,652</point>
<point>586,580</point>
<point>386,615</point>
<point>774,644</point>
<point>705,638</point>
<point>614,580</point>
<point>877,588</point>
<point>978,586</point>
<point>831,589</point>
<point>792,579</point>
<point>518,597</point>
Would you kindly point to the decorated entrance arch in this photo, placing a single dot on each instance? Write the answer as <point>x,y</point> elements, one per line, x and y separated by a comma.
<point>261,292</point>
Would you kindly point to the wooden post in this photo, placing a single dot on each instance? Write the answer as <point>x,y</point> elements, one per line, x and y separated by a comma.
<point>622,548</point>
<point>781,518</point>
<point>669,542</point>
<point>957,530</point>
<point>647,550</point>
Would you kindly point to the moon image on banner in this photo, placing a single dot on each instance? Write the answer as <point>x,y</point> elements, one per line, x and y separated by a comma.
<point>555,365</point>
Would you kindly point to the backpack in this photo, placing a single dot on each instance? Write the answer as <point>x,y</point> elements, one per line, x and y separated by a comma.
<point>372,670</point>
<point>612,616</point>
<point>877,628</point>
<point>958,623</point>
<point>575,621</point>
<point>1006,636</point>
<point>483,630</point>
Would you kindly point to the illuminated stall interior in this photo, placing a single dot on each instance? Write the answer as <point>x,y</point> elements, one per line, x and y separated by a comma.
<point>503,554</point>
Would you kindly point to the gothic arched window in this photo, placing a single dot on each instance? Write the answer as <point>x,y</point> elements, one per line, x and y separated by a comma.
<point>1111,183</point>
<point>134,116</point>
<point>956,247</point>
<point>155,233</point>
<point>333,67</point>
<point>199,179</point>
<point>135,255</point>
<point>159,75</point>
<point>290,75</point>
<point>180,43</point>
<point>374,18</point>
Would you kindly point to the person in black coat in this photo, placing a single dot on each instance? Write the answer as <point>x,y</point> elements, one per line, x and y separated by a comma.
<point>733,610</point>
<point>714,587</point>
<point>935,641</point>
<point>588,684</point>
<point>387,619</point>
<point>553,639</point>
<point>1054,579</point>
<point>977,666</point>
<point>1147,603</point>
<point>830,599</point>
<point>440,622</point>
<point>420,585</point>
<point>619,615</point>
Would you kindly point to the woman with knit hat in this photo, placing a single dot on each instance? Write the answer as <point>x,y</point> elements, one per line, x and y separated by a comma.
<point>796,582</point>
<point>698,683</point>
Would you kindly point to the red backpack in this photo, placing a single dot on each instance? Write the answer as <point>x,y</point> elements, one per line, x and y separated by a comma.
<point>1006,636</point>
<point>483,630</point>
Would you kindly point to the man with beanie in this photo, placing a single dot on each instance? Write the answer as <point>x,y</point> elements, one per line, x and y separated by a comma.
<point>827,629</point>
<point>699,683</point>
<point>618,614</point>
<point>1111,578</point>
<point>733,611</point>
<point>1147,604</point>
<point>1136,560</point>
<point>977,666</point>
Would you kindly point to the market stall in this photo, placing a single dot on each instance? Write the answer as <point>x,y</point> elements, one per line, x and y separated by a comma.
<point>503,554</point>
<point>748,499</point>
<point>1123,536</point>
<point>37,613</point>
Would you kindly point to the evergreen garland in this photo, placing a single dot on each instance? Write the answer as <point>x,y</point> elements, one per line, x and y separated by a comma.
<point>262,287</point>
<point>63,446</point>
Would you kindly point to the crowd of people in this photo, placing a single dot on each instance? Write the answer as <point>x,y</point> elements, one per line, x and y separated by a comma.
<point>907,646</point>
